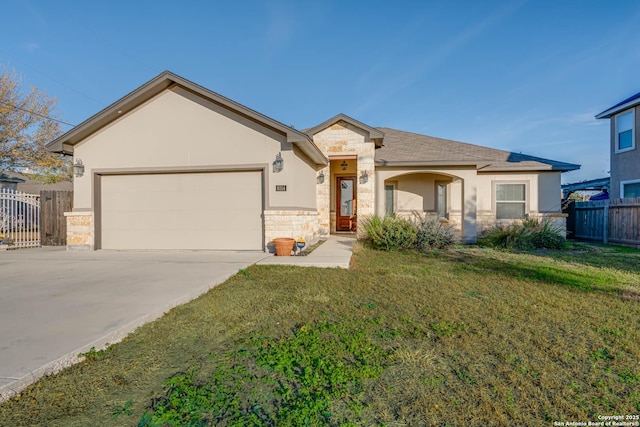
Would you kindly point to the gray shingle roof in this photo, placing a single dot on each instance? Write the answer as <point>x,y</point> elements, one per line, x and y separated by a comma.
<point>412,149</point>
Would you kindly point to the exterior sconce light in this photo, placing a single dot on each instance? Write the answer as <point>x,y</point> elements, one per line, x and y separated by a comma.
<point>321,177</point>
<point>78,168</point>
<point>278,163</point>
<point>364,178</point>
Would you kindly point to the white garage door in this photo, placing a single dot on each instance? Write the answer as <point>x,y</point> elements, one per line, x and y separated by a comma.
<point>214,210</point>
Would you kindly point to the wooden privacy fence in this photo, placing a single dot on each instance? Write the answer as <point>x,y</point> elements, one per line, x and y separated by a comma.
<point>53,224</point>
<point>19,219</point>
<point>606,221</point>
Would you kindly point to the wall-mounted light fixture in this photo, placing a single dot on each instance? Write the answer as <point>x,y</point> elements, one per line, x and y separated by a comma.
<point>364,178</point>
<point>278,163</point>
<point>321,177</point>
<point>78,168</point>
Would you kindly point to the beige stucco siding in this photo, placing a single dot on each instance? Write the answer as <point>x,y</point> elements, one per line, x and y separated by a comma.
<point>179,130</point>
<point>543,190</point>
<point>462,193</point>
<point>549,192</point>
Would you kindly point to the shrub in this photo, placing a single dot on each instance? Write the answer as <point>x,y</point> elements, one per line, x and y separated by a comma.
<point>532,233</point>
<point>431,234</point>
<point>390,232</point>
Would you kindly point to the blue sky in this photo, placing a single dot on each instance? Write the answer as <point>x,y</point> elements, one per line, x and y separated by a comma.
<point>523,76</point>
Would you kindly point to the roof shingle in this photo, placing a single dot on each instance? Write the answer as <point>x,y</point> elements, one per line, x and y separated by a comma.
<point>407,148</point>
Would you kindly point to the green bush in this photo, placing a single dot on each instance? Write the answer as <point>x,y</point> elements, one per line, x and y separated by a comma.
<point>531,233</point>
<point>390,232</point>
<point>433,235</point>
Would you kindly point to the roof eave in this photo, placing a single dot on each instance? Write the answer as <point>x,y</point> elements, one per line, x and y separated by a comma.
<point>607,114</point>
<point>414,163</point>
<point>542,167</point>
<point>375,135</point>
<point>64,144</point>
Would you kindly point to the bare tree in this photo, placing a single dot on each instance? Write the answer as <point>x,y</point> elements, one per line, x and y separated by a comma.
<point>27,123</point>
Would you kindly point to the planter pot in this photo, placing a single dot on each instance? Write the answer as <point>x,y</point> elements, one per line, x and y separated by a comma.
<point>284,246</point>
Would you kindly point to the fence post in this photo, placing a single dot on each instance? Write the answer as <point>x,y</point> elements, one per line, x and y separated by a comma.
<point>605,224</point>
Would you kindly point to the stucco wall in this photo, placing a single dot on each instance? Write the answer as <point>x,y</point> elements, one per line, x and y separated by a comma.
<point>625,166</point>
<point>178,129</point>
<point>462,193</point>
<point>543,194</point>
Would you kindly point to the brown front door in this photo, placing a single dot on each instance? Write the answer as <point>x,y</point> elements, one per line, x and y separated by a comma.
<point>346,200</point>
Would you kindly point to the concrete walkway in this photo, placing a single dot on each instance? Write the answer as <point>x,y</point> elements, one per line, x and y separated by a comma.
<point>335,252</point>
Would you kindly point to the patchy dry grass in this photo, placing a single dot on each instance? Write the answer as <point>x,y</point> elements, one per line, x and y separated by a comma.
<point>468,337</point>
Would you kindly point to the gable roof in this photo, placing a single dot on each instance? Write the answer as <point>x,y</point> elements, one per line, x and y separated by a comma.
<point>630,102</point>
<point>375,134</point>
<point>64,144</point>
<point>412,149</point>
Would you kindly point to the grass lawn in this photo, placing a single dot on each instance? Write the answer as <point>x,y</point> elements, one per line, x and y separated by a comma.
<point>467,337</point>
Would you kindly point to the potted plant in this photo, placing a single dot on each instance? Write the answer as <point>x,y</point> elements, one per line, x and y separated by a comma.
<point>284,245</point>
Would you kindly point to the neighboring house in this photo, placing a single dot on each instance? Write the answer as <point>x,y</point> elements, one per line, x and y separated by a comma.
<point>625,157</point>
<point>25,183</point>
<point>173,165</point>
<point>10,181</point>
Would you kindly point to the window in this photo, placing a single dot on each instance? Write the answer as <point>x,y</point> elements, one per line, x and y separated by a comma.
<point>624,132</point>
<point>510,201</point>
<point>630,188</point>
<point>389,201</point>
<point>441,200</point>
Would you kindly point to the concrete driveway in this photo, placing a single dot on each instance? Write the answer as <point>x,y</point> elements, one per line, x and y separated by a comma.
<point>55,304</point>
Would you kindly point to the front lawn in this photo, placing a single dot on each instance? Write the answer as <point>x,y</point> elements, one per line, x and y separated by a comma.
<point>467,337</point>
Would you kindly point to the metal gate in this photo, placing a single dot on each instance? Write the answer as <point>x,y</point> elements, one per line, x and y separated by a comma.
<point>19,219</point>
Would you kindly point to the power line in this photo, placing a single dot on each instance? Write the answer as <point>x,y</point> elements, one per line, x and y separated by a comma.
<point>53,79</point>
<point>36,114</point>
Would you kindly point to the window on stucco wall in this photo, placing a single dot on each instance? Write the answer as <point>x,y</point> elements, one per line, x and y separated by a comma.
<point>511,201</point>
<point>630,188</point>
<point>389,199</point>
<point>624,132</point>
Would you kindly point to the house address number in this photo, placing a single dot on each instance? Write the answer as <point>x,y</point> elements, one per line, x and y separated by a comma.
<point>281,188</point>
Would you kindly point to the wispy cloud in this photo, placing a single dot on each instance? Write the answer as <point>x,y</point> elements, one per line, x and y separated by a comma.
<point>281,27</point>
<point>436,56</point>
<point>30,46</point>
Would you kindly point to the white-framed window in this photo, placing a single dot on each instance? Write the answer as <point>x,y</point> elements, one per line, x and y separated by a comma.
<point>511,200</point>
<point>630,188</point>
<point>389,199</point>
<point>625,138</point>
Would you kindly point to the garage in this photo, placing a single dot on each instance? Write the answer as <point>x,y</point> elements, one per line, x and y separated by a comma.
<point>203,210</point>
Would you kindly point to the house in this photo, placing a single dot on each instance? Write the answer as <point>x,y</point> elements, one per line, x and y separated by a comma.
<point>173,165</point>
<point>25,183</point>
<point>625,158</point>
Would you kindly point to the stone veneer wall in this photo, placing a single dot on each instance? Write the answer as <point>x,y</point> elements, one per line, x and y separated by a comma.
<point>343,139</point>
<point>80,231</point>
<point>290,223</point>
<point>487,220</point>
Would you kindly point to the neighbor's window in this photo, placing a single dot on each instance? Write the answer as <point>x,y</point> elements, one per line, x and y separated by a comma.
<point>510,201</point>
<point>388,199</point>
<point>631,189</point>
<point>624,131</point>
